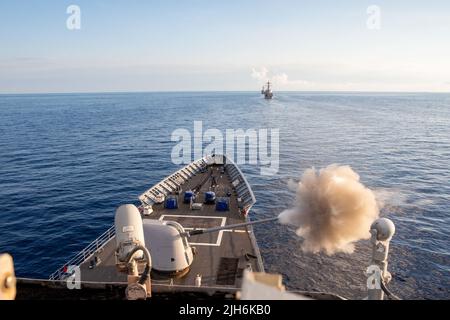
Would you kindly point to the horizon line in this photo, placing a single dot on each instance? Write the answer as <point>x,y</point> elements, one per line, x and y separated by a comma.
<point>217,91</point>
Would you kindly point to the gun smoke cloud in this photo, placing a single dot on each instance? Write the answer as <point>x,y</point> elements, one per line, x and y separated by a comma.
<point>333,209</point>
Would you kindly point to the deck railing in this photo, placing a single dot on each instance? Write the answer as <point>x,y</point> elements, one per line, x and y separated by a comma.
<point>85,253</point>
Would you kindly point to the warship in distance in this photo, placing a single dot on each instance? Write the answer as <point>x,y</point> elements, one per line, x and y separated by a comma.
<point>267,91</point>
<point>189,235</point>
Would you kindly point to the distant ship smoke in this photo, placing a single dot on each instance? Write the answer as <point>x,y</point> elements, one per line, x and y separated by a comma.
<point>333,210</point>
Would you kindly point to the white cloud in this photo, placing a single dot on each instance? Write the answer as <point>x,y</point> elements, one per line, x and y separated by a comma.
<point>260,75</point>
<point>281,80</point>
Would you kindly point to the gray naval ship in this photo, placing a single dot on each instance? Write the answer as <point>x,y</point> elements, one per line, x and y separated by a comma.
<point>209,193</point>
<point>190,235</point>
<point>267,91</point>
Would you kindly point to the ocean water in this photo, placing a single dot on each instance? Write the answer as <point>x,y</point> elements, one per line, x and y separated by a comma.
<point>67,161</point>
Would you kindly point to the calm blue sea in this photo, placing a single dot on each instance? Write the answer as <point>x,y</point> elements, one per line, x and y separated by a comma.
<point>67,161</point>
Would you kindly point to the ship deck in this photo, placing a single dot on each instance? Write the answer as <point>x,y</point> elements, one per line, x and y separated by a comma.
<point>220,257</point>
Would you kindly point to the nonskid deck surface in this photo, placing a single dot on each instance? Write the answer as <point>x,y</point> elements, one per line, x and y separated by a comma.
<point>220,257</point>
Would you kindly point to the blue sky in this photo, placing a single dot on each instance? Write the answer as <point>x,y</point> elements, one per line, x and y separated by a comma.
<point>224,45</point>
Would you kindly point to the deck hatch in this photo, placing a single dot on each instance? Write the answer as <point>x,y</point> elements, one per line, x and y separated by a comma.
<point>227,271</point>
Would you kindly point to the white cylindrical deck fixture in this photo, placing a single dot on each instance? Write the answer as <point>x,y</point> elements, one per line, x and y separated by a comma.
<point>129,231</point>
<point>198,280</point>
<point>382,231</point>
